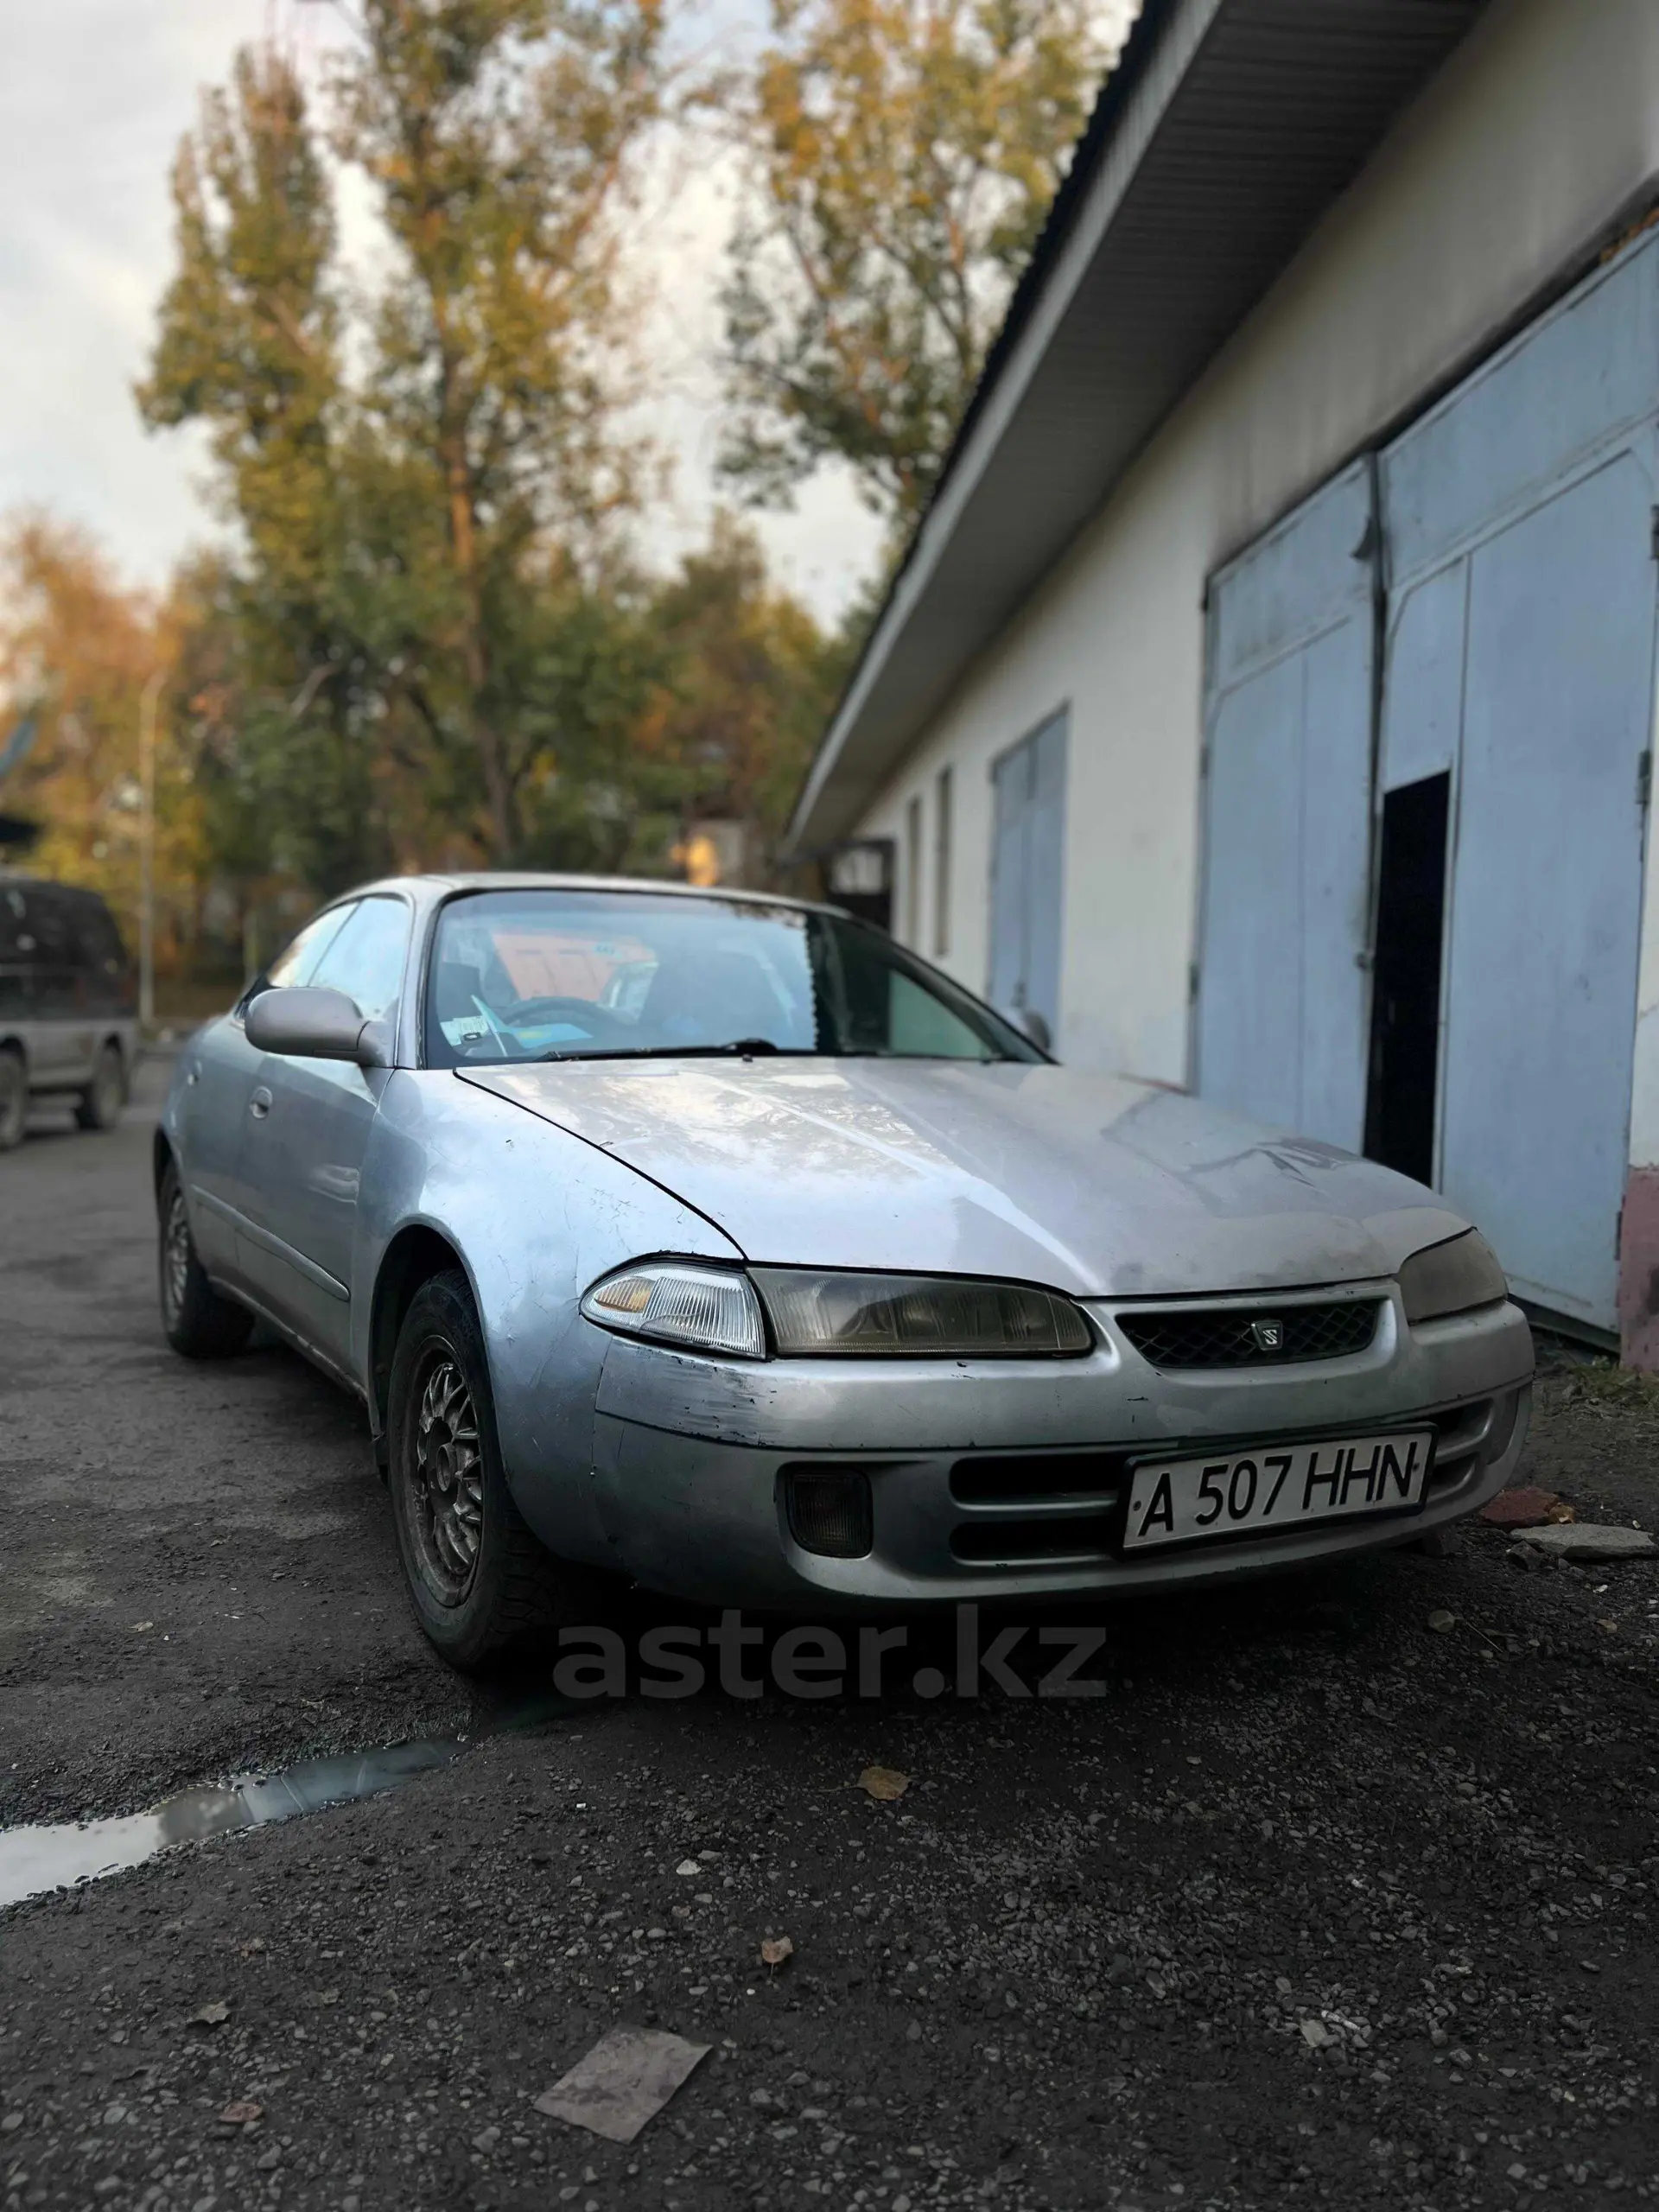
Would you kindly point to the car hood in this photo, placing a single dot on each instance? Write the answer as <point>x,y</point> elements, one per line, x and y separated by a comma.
<point>1089,1184</point>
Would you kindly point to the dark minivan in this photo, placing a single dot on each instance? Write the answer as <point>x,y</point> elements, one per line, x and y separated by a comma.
<point>68,1007</point>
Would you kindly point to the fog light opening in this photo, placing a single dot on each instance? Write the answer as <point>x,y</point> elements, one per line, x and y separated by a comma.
<point>829,1510</point>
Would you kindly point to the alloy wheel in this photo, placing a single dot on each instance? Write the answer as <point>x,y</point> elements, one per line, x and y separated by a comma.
<point>447,1481</point>
<point>176,1258</point>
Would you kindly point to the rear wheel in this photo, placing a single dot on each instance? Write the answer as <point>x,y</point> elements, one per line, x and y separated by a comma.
<point>99,1105</point>
<point>14,1098</point>
<point>199,1322</point>
<point>484,1590</point>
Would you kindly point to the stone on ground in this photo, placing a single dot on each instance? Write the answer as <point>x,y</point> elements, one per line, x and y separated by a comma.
<point>1583,1540</point>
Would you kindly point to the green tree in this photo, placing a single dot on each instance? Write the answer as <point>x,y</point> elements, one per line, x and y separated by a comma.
<point>750,678</point>
<point>415,530</point>
<point>901,155</point>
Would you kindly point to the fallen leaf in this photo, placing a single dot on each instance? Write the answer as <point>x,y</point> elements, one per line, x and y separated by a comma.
<point>883,1782</point>
<point>242,2112</point>
<point>775,1950</point>
<point>209,2015</point>
<point>1441,1622</point>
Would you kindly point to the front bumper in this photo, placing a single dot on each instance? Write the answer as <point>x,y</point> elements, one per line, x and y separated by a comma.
<point>997,1481</point>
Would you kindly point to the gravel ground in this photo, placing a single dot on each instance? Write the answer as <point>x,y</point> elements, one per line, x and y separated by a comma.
<point>1316,1904</point>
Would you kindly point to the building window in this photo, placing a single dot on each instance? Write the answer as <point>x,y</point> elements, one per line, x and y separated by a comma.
<point>942,864</point>
<point>914,873</point>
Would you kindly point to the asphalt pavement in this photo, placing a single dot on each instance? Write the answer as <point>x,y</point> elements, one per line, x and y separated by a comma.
<point>1341,1891</point>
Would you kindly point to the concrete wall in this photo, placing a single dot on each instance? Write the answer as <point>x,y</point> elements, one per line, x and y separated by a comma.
<point>1542,130</point>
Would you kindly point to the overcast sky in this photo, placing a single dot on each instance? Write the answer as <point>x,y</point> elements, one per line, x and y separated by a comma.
<point>93,99</point>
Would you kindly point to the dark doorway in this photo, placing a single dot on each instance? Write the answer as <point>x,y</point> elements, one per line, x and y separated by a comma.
<point>1405,997</point>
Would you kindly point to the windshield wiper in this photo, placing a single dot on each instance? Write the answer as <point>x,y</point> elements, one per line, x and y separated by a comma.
<point>740,1048</point>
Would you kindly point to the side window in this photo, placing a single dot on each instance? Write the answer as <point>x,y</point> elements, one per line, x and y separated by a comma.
<point>98,941</point>
<point>298,964</point>
<point>884,1011</point>
<point>366,959</point>
<point>49,923</point>
<point>16,939</point>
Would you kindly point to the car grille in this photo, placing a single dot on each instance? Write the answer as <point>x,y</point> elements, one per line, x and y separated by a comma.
<point>1227,1336</point>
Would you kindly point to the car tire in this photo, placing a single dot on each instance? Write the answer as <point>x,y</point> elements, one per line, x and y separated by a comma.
<point>14,1098</point>
<point>99,1106</point>
<point>484,1590</point>
<point>198,1321</point>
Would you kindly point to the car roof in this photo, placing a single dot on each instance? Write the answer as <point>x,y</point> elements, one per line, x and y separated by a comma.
<point>12,879</point>
<point>442,885</point>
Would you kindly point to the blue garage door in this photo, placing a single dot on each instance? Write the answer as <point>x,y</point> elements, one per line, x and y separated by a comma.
<point>1027,857</point>
<point>1282,987</point>
<point>1519,518</point>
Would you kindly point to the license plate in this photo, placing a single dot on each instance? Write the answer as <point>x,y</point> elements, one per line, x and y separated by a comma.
<point>1275,1487</point>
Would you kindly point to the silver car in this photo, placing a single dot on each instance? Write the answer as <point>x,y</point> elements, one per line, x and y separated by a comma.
<point>791,1275</point>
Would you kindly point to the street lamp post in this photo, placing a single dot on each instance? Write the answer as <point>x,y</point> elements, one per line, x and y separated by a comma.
<point>147,848</point>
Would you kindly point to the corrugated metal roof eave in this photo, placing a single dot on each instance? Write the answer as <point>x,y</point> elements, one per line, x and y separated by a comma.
<point>1150,257</point>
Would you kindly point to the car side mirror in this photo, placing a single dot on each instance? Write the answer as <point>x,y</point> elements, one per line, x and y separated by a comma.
<point>1036,1027</point>
<point>311,1023</point>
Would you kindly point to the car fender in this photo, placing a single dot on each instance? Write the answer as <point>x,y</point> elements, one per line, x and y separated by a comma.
<point>535,1216</point>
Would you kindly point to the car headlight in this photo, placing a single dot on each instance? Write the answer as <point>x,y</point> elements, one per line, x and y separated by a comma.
<point>1451,1278</point>
<point>674,1302</point>
<point>916,1317</point>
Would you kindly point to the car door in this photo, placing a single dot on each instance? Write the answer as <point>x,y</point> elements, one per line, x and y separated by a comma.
<point>217,1104</point>
<point>302,1155</point>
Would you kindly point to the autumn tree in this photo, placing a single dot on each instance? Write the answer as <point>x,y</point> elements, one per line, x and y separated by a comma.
<point>79,653</point>
<point>900,156</point>
<point>422,477</point>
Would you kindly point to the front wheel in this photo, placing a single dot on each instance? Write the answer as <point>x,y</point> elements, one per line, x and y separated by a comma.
<point>484,1590</point>
<point>199,1322</point>
<point>99,1105</point>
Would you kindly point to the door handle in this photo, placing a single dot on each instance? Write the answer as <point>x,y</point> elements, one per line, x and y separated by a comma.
<point>259,1105</point>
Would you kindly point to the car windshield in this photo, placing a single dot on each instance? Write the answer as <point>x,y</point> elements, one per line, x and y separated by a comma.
<point>555,975</point>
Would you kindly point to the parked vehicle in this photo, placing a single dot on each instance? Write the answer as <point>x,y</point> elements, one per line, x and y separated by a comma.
<point>798,1277</point>
<point>68,1007</point>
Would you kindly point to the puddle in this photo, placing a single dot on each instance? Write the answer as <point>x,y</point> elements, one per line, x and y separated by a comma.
<point>34,1860</point>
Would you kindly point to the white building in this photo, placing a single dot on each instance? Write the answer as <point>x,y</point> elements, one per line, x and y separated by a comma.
<point>1268,697</point>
